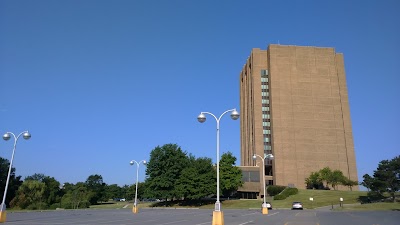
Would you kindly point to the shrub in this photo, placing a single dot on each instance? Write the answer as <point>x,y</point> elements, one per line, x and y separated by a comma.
<point>286,193</point>
<point>291,191</point>
<point>37,206</point>
<point>280,197</point>
<point>275,189</point>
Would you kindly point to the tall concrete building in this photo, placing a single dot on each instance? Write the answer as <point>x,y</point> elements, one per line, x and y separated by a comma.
<point>294,104</point>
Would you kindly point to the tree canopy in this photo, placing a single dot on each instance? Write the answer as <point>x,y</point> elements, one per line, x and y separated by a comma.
<point>386,178</point>
<point>164,170</point>
<point>198,180</point>
<point>96,187</point>
<point>334,178</point>
<point>14,183</point>
<point>230,175</point>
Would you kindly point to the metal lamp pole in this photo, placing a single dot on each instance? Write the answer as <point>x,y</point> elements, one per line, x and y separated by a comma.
<point>268,156</point>
<point>217,214</point>
<point>135,208</point>
<point>7,137</point>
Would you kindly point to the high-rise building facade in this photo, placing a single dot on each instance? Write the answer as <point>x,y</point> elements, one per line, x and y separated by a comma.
<point>294,104</point>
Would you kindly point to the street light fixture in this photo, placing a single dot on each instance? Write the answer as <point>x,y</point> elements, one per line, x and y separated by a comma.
<point>218,216</point>
<point>26,135</point>
<point>135,208</point>
<point>270,157</point>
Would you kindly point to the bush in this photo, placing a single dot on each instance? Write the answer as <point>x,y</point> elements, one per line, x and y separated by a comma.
<point>291,191</point>
<point>37,206</point>
<point>275,189</point>
<point>280,197</point>
<point>54,206</point>
<point>286,193</point>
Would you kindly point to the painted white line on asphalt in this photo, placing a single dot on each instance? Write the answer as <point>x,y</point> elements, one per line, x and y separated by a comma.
<point>273,214</point>
<point>173,222</point>
<point>246,223</point>
<point>203,223</point>
<point>250,214</point>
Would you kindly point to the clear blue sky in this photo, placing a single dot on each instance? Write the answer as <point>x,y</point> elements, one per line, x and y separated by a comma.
<point>99,83</point>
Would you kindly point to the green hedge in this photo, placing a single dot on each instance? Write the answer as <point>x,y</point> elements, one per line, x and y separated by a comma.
<point>286,193</point>
<point>275,189</point>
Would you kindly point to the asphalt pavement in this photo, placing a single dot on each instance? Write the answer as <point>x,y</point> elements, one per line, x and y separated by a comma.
<point>158,216</point>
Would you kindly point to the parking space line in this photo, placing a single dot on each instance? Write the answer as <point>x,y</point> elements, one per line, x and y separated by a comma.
<point>250,214</point>
<point>273,214</point>
<point>203,223</point>
<point>246,223</point>
<point>173,222</point>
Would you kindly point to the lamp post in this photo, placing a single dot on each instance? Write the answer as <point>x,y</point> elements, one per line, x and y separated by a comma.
<point>135,208</point>
<point>218,216</point>
<point>7,137</point>
<point>266,156</point>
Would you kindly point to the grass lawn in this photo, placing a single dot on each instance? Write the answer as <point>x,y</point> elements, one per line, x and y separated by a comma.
<point>109,205</point>
<point>118,205</point>
<point>373,206</point>
<point>320,197</point>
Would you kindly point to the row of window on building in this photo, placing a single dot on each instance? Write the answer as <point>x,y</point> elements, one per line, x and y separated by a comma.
<point>265,111</point>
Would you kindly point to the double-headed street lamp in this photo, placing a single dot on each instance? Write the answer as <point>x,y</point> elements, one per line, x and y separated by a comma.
<point>135,208</point>
<point>218,216</point>
<point>270,157</point>
<point>7,137</point>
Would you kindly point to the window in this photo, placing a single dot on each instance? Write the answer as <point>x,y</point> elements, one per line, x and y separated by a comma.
<point>266,132</point>
<point>264,94</point>
<point>265,108</point>
<point>265,116</point>
<point>266,124</point>
<point>250,176</point>
<point>265,101</point>
<point>264,72</point>
<point>266,139</point>
<point>264,86</point>
<point>267,147</point>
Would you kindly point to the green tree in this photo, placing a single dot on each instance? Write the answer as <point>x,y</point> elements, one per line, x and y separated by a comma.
<point>114,191</point>
<point>76,196</point>
<point>349,183</point>
<point>230,175</point>
<point>30,195</point>
<point>333,178</point>
<point>125,192</point>
<point>131,190</point>
<point>336,178</point>
<point>14,183</point>
<point>198,180</point>
<point>367,181</point>
<point>326,174</point>
<point>386,178</point>
<point>163,171</point>
<point>52,188</point>
<point>314,181</point>
<point>96,187</point>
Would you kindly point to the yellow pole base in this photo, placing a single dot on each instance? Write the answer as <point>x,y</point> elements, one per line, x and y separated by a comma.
<point>3,216</point>
<point>135,209</point>
<point>264,210</point>
<point>218,218</point>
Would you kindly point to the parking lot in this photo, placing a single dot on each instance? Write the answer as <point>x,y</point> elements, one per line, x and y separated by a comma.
<point>201,217</point>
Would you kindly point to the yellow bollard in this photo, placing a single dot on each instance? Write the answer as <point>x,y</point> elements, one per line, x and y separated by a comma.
<point>218,218</point>
<point>3,216</point>
<point>135,209</point>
